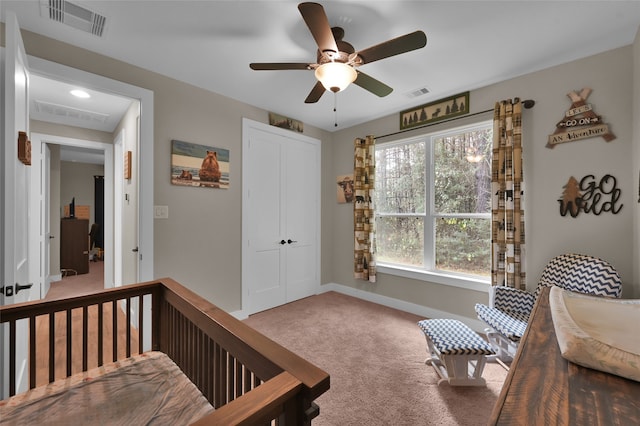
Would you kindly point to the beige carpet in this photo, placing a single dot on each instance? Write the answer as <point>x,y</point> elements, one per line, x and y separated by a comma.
<point>375,356</point>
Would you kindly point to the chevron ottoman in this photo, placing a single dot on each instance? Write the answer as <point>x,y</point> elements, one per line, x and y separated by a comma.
<point>457,353</point>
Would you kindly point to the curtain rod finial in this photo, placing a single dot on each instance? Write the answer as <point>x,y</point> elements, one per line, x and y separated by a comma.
<point>529,103</point>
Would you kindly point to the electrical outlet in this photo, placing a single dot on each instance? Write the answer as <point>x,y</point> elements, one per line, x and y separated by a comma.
<point>161,212</point>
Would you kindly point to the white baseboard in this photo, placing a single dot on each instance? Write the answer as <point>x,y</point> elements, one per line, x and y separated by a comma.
<point>239,315</point>
<point>402,305</point>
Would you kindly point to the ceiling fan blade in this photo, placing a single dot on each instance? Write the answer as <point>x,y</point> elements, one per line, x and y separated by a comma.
<point>267,66</point>
<point>315,94</point>
<point>396,46</point>
<point>318,23</point>
<point>371,84</point>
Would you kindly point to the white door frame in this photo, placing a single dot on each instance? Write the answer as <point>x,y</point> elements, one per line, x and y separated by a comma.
<point>67,74</point>
<point>118,196</point>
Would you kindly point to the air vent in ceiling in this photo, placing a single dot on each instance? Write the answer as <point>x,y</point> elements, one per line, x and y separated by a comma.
<point>61,111</point>
<point>418,92</point>
<point>73,15</point>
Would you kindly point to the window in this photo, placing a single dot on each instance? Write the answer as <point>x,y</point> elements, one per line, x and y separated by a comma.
<point>433,202</point>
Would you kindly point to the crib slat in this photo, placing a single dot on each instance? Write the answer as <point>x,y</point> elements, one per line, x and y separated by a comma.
<point>85,338</point>
<point>12,358</point>
<point>32,352</point>
<point>100,335</point>
<point>128,324</point>
<point>230,391</point>
<point>140,323</point>
<point>52,347</point>
<point>68,339</point>
<point>114,330</point>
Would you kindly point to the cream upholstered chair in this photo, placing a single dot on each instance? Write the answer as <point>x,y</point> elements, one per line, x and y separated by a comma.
<point>509,308</point>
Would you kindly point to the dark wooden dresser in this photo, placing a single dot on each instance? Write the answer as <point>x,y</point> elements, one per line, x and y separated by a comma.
<point>74,245</point>
<point>542,388</point>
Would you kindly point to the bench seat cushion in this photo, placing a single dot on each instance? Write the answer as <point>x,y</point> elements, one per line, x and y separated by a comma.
<point>452,337</point>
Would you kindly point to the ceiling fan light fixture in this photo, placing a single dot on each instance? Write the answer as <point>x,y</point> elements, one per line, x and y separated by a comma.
<point>336,76</point>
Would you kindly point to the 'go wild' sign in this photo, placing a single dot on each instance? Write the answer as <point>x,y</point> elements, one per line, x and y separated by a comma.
<point>590,196</point>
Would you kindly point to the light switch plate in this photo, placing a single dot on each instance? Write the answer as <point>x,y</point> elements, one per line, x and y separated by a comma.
<point>161,212</point>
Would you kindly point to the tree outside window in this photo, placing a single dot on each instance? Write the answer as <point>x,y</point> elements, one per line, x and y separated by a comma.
<point>433,201</point>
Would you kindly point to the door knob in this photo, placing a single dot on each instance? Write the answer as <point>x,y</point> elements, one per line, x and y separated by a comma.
<point>291,241</point>
<point>283,242</point>
<point>135,250</point>
<point>10,291</point>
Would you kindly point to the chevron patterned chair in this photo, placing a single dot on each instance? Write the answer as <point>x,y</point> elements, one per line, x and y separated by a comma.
<point>509,308</point>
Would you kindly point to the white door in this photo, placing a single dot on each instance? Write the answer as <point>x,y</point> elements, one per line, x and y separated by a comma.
<point>15,201</point>
<point>281,210</point>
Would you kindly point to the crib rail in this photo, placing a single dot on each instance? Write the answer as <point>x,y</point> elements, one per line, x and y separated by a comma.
<point>247,378</point>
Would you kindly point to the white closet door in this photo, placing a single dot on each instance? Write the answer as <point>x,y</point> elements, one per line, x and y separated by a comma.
<point>302,215</point>
<point>281,209</point>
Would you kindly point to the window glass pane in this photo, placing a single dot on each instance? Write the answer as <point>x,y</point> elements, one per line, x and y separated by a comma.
<point>400,240</point>
<point>462,172</point>
<point>464,245</point>
<point>400,178</point>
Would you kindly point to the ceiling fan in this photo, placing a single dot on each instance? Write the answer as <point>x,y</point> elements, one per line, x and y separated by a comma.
<point>337,61</point>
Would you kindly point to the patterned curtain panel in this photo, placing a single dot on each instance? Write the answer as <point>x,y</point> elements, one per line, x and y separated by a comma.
<point>507,210</point>
<point>364,172</point>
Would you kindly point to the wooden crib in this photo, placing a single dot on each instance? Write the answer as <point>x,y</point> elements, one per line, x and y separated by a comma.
<point>246,377</point>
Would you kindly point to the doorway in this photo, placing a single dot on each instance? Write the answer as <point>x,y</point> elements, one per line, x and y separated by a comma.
<point>46,151</point>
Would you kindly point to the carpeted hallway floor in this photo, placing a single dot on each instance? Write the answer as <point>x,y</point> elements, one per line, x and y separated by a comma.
<point>375,356</point>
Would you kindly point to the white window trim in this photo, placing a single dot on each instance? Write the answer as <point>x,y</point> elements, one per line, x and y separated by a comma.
<point>437,277</point>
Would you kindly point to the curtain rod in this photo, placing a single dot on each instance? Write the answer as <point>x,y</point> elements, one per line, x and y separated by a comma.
<point>528,104</point>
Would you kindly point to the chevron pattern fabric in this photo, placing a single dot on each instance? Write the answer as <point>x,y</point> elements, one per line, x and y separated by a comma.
<point>581,274</point>
<point>452,337</point>
<point>510,324</point>
<point>511,300</point>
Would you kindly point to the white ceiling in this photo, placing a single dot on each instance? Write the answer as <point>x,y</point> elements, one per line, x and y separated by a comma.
<point>470,44</point>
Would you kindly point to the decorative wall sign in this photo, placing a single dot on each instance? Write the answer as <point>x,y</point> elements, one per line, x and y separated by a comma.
<point>24,149</point>
<point>590,196</point>
<point>127,165</point>
<point>285,122</point>
<point>435,111</point>
<point>345,193</point>
<point>579,122</point>
<point>199,165</point>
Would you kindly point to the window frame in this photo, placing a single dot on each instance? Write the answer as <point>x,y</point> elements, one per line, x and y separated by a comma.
<point>429,272</point>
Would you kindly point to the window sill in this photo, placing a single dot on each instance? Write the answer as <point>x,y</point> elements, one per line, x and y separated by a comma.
<point>469,283</point>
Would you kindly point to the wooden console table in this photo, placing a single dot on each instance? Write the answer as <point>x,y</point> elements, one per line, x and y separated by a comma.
<point>542,388</point>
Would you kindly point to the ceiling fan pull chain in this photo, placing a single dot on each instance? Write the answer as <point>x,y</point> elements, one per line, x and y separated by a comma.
<point>335,108</point>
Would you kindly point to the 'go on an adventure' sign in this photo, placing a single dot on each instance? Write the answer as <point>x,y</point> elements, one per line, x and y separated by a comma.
<point>579,122</point>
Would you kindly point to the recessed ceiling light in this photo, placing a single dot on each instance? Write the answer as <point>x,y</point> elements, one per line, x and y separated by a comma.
<point>80,93</point>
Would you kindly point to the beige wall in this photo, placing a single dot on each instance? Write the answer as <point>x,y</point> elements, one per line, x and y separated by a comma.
<point>76,181</point>
<point>70,132</point>
<point>199,245</point>
<point>546,172</point>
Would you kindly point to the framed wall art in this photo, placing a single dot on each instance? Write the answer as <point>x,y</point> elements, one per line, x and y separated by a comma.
<point>283,122</point>
<point>344,189</point>
<point>435,111</point>
<point>199,165</point>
